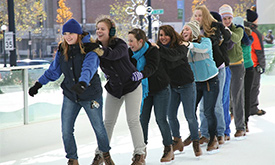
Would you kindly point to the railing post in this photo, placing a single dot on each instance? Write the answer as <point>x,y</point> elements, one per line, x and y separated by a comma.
<point>25,95</point>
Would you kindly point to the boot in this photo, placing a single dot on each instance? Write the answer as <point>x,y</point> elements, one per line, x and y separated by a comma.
<point>107,159</point>
<point>177,144</point>
<point>98,160</point>
<point>213,144</point>
<point>168,154</point>
<point>187,141</point>
<point>197,148</point>
<point>73,162</point>
<point>138,160</point>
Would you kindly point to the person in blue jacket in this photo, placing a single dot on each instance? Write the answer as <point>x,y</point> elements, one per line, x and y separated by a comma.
<point>78,61</point>
<point>200,58</point>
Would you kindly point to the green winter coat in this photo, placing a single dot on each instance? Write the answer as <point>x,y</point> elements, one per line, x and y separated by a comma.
<point>235,54</point>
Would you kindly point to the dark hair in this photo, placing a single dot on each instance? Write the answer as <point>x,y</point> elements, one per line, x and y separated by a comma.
<point>139,34</point>
<point>176,39</point>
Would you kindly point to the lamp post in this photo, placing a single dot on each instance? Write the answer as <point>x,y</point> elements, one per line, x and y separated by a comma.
<point>141,11</point>
<point>30,44</point>
<point>4,28</point>
<point>155,25</point>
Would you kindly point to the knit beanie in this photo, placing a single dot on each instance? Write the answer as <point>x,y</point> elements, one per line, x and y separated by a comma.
<point>195,28</point>
<point>72,26</point>
<point>216,15</point>
<point>238,21</point>
<point>226,11</point>
<point>251,16</point>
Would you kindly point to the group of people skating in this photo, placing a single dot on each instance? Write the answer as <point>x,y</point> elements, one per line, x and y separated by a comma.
<point>213,64</point>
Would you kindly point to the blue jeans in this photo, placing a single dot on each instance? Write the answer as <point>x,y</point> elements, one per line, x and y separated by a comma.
<point>160,101</point>
<point>187,95</point>
<point>70,111</point>
<point>226,101</point>
<point>218,109</point>
<point>209,90</point>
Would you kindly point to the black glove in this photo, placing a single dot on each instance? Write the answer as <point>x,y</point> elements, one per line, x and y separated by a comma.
<point>259,69</point>
<point>80,87</point>
<point>34,89</point>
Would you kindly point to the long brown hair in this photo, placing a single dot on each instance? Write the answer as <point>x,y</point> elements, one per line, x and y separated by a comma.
<point>65,46</point>
<point>207,20</point>
<point>176,39</point>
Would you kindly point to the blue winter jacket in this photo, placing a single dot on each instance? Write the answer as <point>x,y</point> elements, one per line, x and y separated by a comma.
<point>200,58</point>
<point>79,67</point>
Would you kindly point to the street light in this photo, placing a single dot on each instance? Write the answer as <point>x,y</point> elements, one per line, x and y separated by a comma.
<point>141,11</point>
<point>4,28</point>
<point>155,25</point>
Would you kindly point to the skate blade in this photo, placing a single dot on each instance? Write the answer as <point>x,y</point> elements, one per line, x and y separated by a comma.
<point>213,152</point>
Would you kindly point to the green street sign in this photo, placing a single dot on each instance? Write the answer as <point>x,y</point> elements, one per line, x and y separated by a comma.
<point>158,11</point>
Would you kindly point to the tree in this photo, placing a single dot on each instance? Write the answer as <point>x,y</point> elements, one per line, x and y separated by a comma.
<point>29,16</point>
<point>63,14</point>
<point>197,3</point>
<point>121,18</point>
<point>240,8</point>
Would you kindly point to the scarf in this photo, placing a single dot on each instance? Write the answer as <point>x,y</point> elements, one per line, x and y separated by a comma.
<point>141,62</point>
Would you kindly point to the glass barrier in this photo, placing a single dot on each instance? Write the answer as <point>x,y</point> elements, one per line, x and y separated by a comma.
<point>12,98</point>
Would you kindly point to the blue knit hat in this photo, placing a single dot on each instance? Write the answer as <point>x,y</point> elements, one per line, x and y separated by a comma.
<point>72,26</point>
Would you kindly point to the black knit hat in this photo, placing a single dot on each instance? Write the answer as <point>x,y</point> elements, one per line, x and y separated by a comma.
<point>72,26</point>
<point>216,15</point>
<point>251,16</point>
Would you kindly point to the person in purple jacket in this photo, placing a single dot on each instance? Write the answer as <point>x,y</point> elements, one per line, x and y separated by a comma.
<point>78,61</point>
<point>118,69</point>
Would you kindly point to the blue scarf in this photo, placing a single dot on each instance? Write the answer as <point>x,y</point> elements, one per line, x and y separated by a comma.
<point>141,62</point>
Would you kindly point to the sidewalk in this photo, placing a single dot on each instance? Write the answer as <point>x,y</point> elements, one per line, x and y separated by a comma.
<point>257,148</point>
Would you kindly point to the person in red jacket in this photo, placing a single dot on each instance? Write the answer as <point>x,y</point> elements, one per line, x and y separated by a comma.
<point>258,58</point>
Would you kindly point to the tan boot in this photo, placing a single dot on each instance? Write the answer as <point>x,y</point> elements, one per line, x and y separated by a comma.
<point>138,160</point>
<point>212,145</point>
<point>177,144</point>
<point>187,141</point>
<point>168,154</point>
<point>98,160</point>
<point>73,162</point>
<point>197,148</point>
<point>107,159</point>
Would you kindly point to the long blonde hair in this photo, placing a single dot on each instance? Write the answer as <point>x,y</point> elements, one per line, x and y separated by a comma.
<point>206,21</point>
<point>65,46</point>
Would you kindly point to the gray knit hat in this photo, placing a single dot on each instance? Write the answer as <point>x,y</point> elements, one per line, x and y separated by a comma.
<point>195,28</point>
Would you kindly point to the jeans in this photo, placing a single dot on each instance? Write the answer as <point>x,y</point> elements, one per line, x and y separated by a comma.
<point>160,101</point>
<point>187,95</point>
<point>226,101</point>
<point>209,90</point>
<point>218,109</point>
<point>69,113</point>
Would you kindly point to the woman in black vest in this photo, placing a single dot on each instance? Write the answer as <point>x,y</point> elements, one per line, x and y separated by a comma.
<point>78,61</point>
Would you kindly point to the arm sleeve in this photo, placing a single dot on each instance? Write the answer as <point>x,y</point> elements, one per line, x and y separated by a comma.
<point>89,67</point>
<point>173,54</point>
<point>54,71</point>
<point>152,62</point>
<point>256,46</point>
<point>247,40</point>
<point>202,47</point>
<point>119,51</point>
<point>237,35</point>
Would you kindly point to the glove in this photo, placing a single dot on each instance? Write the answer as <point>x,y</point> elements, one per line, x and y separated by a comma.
<point>34,89</point>
<point>259,69</point>
<point>136,76</point>
<point>79,88</point>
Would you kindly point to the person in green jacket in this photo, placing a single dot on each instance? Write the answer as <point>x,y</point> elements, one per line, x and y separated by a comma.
<point>236,66</point>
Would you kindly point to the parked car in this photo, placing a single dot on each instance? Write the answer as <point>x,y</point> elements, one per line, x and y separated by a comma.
<point>31,62</point>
